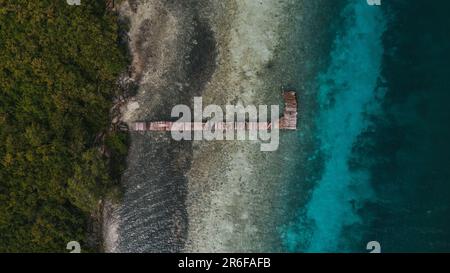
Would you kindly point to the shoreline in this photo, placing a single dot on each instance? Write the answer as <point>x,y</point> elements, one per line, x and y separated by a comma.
<point>167,68</point>
<point>227,196</point>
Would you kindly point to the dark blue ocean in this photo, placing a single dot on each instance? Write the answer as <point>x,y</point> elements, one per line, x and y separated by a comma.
<point>382,134</point>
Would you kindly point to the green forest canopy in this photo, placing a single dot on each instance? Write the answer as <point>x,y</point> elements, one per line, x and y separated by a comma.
<point>58,68</point>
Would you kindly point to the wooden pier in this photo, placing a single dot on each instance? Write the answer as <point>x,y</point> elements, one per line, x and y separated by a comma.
<point>288,121</point>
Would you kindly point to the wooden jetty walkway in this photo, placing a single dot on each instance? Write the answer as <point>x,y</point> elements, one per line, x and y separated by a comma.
<point>288,121</point>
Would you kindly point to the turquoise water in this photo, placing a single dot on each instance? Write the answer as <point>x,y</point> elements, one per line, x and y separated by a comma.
<point>347,90</point>
<point>382,134</point>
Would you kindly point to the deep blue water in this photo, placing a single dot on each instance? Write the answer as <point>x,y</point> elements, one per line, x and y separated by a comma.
<point>382,133</point>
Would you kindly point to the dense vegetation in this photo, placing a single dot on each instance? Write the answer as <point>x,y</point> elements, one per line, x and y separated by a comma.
<point>58,68</point>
